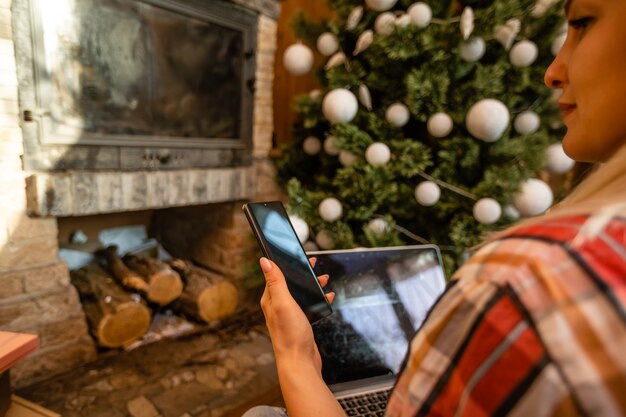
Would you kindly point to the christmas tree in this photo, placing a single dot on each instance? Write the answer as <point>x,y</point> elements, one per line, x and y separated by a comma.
<point>432,125</point>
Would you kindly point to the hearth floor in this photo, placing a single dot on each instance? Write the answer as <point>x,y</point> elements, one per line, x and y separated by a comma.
<point>204,375</point>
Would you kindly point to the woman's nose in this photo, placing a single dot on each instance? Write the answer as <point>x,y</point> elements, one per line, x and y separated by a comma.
<point>556,74</point>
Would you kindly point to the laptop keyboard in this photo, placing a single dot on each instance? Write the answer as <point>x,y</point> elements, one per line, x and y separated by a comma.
<point>369,405</point>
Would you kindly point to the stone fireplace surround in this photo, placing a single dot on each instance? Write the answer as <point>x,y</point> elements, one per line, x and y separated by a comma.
<point>36,295</point>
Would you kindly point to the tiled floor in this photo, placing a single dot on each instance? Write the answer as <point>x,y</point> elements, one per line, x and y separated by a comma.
<point>205,375</point>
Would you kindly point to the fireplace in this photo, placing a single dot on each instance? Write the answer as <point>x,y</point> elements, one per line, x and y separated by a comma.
<point>119,110</point>
<point>150,84</point>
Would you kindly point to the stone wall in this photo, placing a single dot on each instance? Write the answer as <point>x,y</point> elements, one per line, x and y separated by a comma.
<point>35,293</point>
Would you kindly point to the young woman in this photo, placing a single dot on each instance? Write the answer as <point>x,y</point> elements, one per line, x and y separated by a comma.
<point>535,322</point>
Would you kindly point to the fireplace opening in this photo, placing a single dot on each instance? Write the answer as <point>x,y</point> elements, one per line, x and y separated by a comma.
<point>157,274</point>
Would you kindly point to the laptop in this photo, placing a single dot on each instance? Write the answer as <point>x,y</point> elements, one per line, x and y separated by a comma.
<point>382,296</point>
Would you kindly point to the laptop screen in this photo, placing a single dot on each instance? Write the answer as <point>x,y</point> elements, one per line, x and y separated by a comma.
<point>382,297</point>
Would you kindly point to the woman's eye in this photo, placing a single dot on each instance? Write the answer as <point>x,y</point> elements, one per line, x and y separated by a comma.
<point>581,23</point>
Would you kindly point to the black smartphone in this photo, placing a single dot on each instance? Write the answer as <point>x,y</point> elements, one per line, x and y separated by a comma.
<point>279,242</point>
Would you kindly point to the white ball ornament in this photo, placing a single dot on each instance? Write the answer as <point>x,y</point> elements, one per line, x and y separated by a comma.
<point>487,211</point>
<point>298,59</point>
<point>385,23</point>
<point>403,20</point>
<point>378,226</point>
<point>557,161</point>
<point>339,106</point>
<point>523,53</point>
<point>558,43</point>
<point>487,120</point>
<point>427,193</point>
<point>439,125</point>
<point>324,240</point>
<point>380,5</point>
<point>327,44</point>
<point>330,209</point>
<point>347,158</point>
<point>527,122</point>
<point>534,198</point>
<point>377,154</point>
<point>310,246</point>
<point>511,212</point>
<point>331,146</point>
<point>397,114</point>
<point>473,49</point>
<point>315,93</point>
<point>300,226</point>
<point>312,146</point>
<point>421,14</point>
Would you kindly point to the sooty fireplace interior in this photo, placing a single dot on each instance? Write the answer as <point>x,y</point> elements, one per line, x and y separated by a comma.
<point>135,84</point>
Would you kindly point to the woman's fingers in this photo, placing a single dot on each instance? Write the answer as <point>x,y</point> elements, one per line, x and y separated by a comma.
<point>312,261</point>
<point>323,280</point>
<point>330,296</point>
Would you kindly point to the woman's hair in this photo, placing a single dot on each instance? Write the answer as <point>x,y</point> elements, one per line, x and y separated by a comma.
<point>603,192</point>
<point>604,187</point>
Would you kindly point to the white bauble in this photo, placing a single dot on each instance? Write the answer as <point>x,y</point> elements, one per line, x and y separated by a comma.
<point>487,119</point>
<point>558,43</point>
<point>506,33</point>
<point>324,240</point>
<point>327,44</point>
<point>339,106</point>
<point>527,122</point>
<point>298,59</point>
<point>337,59</point>
<point>365,40</point>
<point>473,49</point>
<point>523,53</point>
<point>347,158</point>
<point>487,211</point>
<point>421,14</point>
<point>541,6</point>
<point>403,20</point>
<point>427,193</point>
<point>439,125</point>
<point>312,145</point>
<point>380,5</point>
<point>377,154</point>
<point>365,97</point>
<point>385,23</point>
<point>331,146</point>
<point>397,114</point>
<point>310,246</point>
<point>354,18</point>
<point>511,212</point>
<point>330,209</point>
<point>467,22</point>
<point>315,93</point>
<point>378,226</point>
<point>557,161</point>
<point>534,198</point>
<point>300,226</point>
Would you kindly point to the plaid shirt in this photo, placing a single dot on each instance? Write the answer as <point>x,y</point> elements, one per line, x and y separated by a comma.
<point>531,326</point>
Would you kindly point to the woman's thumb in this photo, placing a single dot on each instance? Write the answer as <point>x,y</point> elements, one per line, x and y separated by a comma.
<point>274,278</point>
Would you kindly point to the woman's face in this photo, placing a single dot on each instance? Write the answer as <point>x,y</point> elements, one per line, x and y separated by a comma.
<point>591,70</point>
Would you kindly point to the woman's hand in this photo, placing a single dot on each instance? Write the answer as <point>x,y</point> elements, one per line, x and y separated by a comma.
<point>291,333</point>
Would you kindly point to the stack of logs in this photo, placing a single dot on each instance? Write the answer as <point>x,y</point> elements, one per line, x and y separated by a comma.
<point>116,294</point>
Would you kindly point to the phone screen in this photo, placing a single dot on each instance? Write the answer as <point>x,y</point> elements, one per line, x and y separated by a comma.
<point>279,242</point>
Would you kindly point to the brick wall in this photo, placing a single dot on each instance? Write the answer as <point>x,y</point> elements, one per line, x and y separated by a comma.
<point>35,293</point>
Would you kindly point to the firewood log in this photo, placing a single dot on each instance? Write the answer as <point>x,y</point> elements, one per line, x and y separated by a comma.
<point>159,288</point>
<point>115,317</point>
<point>165,283</point>
<point>207,296</point>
